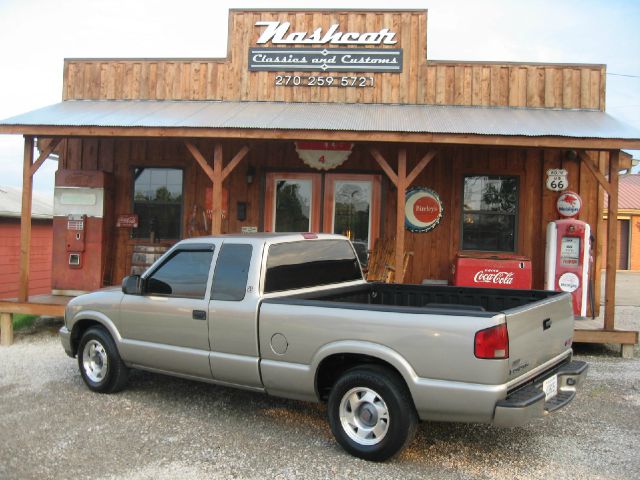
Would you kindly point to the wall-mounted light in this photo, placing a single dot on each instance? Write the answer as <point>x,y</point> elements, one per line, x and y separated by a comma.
<point>251,173</point>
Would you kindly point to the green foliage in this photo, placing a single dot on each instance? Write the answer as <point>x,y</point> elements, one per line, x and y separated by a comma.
<point>21,321</point>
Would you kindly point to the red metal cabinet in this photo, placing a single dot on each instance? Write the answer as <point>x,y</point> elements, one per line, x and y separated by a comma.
<point>492,271</point>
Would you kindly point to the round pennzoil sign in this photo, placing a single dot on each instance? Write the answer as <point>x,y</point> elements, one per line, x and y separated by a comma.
<point>423,209</point>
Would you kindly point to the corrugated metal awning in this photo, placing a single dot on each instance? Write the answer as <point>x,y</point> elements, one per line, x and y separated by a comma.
<point>413,119</point>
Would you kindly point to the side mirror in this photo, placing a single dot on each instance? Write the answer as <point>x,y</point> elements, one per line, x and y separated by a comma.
<point>132,285</point>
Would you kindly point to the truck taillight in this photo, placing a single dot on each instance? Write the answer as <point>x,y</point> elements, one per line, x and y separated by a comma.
<point>492,342</point>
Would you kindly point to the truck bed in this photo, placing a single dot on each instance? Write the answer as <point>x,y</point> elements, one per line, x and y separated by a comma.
<point>444,300</point>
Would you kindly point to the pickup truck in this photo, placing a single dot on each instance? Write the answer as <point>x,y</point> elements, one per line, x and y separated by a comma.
<point>291,315</point>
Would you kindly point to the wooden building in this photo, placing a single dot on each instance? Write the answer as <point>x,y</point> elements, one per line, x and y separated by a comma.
<point>195,146</point>
<point>40,255</point>
<point>628,256</point>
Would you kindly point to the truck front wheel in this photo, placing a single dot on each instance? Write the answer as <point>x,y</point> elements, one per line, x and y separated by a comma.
<point>371,413</point>
<point>100,365</point>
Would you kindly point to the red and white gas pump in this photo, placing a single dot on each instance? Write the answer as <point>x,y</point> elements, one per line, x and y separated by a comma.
<point>568,253</point>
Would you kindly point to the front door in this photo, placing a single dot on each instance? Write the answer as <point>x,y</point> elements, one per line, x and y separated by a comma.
<point>352,209</point>
<point>167,327</point>
<point>292,202</point>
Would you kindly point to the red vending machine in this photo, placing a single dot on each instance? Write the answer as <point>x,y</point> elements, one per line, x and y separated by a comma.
<point>492,271</point>
<point>78,231</point>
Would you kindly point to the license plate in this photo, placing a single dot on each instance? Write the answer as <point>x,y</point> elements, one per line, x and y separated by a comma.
<point>550,387</point>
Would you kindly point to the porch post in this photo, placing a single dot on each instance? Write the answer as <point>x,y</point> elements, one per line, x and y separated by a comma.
<point>612,242</point>
<point>216,208</point>
<point>401,188</point>
<point>25,220</point>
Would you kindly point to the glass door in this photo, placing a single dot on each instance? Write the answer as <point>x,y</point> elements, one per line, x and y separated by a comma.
<point>352,209</point>
<point>292,202</point>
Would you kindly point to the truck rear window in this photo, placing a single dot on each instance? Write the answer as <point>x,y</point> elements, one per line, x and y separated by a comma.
<point>309,264</point>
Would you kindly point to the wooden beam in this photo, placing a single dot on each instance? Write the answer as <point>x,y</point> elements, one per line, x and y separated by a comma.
<point>48,309</point>
<point>612,244</point>
<point>420,166</point>
<point>384,165</point>
<point>401,188</point>
<point>200,159</point>
<point>591,165</point>
<point>6,329</point>
<point>234,162</point>
<point>25,220</point>
<point>44,155</point>
<point>605,336</point>
<point>325,135</point>
<point>216,209</point>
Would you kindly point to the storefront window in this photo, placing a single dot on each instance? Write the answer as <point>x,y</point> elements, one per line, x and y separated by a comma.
<point>293,206</point>
<point>157,200</point>
<point>489,216</point>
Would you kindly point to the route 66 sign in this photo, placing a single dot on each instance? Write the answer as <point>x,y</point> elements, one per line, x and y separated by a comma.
<point>557,179</point>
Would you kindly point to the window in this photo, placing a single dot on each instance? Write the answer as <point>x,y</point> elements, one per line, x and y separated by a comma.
<point>489,213</point>
<point>157,200</point>
<point>232,270</point>
<point>310,263</point>
<point>184,275</point>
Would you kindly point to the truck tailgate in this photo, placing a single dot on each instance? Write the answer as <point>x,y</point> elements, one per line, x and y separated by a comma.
<point>538,332</point>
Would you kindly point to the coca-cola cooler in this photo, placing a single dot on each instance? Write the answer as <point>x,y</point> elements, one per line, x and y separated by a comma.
<point>492,271</point>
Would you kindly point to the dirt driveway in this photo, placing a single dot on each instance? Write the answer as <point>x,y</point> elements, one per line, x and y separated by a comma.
<point>164,428</point>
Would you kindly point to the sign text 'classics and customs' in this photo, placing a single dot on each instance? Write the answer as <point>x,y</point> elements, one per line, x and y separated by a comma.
<point>325,59</point>
<point>423,209</point>
<point>569,204</point>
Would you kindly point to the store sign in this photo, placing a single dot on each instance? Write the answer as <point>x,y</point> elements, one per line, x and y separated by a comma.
<point>129,220</point>
<point>324,155</point>
<point>325,58</point>
<point>557,179</point>
<point>278,33</point>
<point>569,204</point>
<point>423,209</point>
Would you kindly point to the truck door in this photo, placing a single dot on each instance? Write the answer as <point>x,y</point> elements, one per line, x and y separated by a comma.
<point>167,326</point>
<point>233,315</point>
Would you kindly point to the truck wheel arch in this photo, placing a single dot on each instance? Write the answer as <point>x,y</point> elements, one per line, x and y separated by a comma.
<point>332,360</point>
<point>88,320</point>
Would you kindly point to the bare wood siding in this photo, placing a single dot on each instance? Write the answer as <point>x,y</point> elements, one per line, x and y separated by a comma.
<point>421,82</point>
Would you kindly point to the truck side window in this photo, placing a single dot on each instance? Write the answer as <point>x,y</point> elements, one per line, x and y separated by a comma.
<point>184,275</point>
<point>232,269</point>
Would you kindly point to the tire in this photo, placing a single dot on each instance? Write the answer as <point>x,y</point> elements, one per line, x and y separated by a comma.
<point>371,413</point>
<point>100,365</point>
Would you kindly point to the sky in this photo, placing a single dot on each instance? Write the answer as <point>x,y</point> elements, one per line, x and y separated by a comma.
<point>36,35</point>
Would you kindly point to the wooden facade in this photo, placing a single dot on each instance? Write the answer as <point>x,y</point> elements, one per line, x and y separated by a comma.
<point>221,158</point>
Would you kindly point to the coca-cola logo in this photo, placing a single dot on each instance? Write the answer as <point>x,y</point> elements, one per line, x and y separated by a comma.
<point>492,275</point>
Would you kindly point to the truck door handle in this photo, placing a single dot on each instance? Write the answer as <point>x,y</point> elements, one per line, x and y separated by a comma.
<point>199,315</point>
<point>546,324</point>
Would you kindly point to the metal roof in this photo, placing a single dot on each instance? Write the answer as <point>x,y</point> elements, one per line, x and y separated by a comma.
<point>435,119</point>
<point>11,204</point>
<point>629,192</point>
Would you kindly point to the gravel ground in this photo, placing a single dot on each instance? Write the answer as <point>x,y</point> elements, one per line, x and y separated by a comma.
<point>165,428</point>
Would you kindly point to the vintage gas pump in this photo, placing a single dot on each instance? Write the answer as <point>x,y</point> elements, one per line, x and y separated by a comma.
<point>568,253</point>
<point>79,231</point>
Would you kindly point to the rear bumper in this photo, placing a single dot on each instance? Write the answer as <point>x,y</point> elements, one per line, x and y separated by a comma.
<point>529,402</point>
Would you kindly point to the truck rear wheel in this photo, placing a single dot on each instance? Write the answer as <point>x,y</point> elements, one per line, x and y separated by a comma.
<point>100,365</point>
<point>371,413</point>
